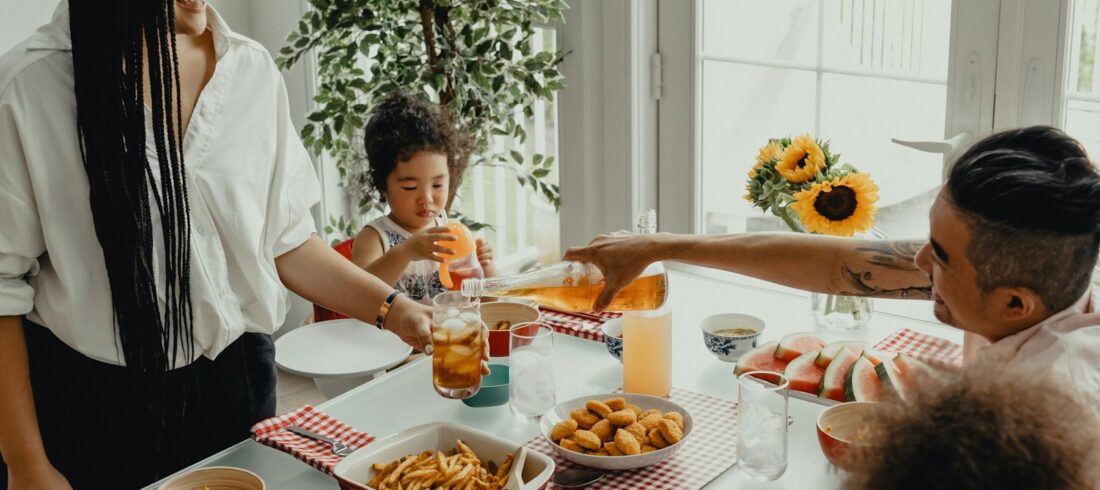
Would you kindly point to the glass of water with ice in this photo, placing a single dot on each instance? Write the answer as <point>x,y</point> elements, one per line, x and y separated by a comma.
<point>531,367</point>
<point>762,424</point>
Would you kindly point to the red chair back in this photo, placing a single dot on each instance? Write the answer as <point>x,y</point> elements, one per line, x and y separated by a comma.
<point>320,313</point>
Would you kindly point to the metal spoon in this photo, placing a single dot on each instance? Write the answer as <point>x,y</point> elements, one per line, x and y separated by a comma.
<point>576,478</point>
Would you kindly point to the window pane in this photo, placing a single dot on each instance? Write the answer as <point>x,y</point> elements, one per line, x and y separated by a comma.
<point>880,73</point>
<point>761,30</point>
<point>743,106</point>
<point>1082,90</point>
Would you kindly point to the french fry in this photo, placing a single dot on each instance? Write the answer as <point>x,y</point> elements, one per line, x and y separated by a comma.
<point>465,449</point>
<point>457,469</point>
<point>503,471</point>
<point>390,480</point>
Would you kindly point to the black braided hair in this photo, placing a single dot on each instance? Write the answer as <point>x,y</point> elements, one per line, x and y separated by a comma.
<point>108,40</point>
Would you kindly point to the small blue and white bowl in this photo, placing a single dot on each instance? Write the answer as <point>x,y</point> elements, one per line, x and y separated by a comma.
<point>613,337</point>
<point>729,348</point>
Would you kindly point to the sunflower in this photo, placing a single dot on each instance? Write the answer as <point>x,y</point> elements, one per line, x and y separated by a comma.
<point>842,206</point>
<point>767,154</point>
<point>802,160</point>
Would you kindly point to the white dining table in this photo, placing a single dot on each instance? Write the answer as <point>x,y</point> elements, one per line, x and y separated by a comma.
<point>405,398</point>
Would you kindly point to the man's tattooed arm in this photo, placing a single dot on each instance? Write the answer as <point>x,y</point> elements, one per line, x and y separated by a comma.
<point>884,269</point>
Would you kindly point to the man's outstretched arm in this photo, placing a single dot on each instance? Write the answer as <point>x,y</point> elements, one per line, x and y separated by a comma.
<point>834,265</point>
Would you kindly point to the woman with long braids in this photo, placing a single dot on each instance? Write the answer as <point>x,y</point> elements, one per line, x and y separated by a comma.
<point>154,208</point>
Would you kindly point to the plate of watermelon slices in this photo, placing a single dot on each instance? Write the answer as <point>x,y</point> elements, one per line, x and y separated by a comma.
<point>837,372</point>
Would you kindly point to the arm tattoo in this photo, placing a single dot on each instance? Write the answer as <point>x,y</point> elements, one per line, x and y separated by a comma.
<point>886,261</point>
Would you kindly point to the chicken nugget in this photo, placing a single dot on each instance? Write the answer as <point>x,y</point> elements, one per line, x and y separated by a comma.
<point>633,408</point>
<point>670,431</point>
<point>587,440</point>
<point>650,421</point>
<point>676,416</point>
<point>615,404</point>
<point>622,418</point>
<point>652,411</point>
<point>562,429</point>
<point>599,408</point>
<point>570,445</point>
<point>612,448</point>
<point>638,431</point>
<point>657,440</point>
<point>602,429</point>
<point>626,443</point>
<point>584,418</point>
<point>647,448</point>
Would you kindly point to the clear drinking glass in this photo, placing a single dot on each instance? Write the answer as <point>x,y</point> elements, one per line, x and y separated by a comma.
<point>531,366</point>
<point>762,424</point>
<point>456,340</point>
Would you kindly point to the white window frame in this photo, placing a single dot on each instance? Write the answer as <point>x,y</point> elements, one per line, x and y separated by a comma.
<point>971,87</point>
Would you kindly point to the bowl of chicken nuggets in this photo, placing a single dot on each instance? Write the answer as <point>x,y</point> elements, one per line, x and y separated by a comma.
<point>439,455</point>
<point>616,431</point>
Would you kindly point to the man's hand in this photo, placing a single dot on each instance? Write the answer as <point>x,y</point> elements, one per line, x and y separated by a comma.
<point>422,244</point>
<point>620,257</point>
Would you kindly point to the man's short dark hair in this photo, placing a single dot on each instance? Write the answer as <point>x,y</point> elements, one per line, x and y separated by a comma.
<point>1032,199</point>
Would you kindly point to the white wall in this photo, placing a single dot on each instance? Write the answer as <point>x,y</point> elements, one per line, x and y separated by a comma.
<point>20,18</point>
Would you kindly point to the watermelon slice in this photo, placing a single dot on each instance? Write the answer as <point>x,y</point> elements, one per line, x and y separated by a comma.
<point>796,344</point>
<point>803,375</point>
<point>862,383</point>
<point>832,383</point>
<point>761,358</point>
<point>904,372</point>
<point>831,350</point>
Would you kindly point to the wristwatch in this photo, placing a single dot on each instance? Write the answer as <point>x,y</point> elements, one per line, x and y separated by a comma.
<point>385,308</point>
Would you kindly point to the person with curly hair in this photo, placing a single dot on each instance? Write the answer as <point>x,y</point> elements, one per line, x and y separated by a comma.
<point>415,163</point>
<point>998,426</point>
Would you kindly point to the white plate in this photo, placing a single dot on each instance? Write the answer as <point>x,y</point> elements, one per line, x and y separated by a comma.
<point>343,348</point>
<point>355,470</point>
<point>614,463</point>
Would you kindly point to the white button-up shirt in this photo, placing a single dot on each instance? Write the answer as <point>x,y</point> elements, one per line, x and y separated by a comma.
<point>250,181</point>
<point>1066,346</point>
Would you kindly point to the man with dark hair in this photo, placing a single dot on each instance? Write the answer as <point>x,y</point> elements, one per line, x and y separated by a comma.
<point>1014,239</point>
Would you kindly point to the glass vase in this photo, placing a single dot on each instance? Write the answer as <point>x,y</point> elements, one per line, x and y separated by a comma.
<point>843,313</point>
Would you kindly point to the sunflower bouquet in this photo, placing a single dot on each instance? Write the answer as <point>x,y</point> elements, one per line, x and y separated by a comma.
<point>802,182</point>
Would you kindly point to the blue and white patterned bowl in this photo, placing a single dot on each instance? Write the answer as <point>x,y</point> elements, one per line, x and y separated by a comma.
<point>727,348</point>
<point>613,337</point>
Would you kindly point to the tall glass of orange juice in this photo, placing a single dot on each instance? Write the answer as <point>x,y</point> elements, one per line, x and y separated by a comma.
<point>456,340</point>
<point>647,352</point>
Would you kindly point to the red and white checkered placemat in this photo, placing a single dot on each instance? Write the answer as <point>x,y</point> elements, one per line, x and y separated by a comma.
<point>583,325</point>
<point>927,348</point>
<point>272,432</point>
<point>710,451</point>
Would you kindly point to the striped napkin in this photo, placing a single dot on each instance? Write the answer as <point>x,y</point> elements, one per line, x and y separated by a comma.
<point>272,432</point>
<point>923,347</point>
<point>582,325</point>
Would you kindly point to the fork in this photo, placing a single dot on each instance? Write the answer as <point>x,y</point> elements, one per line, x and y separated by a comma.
<point>338,448</point>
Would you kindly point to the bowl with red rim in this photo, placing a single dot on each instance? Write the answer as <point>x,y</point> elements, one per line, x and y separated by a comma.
<point>842,427</point>
<point>512,312</point>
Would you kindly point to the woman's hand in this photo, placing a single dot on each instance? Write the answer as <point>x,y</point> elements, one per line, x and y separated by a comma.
<point>422,244</point>
<point>412,322</point>
<point>42,477</point>
<point>620,257</point>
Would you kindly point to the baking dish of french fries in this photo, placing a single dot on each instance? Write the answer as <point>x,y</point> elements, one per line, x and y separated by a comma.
<point>439,455</point>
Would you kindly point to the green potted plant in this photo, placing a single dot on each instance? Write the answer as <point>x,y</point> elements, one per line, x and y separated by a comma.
<point>473,57</point>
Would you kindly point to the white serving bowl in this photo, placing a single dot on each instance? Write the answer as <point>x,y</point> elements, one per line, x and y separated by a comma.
<point>727,348</point>
<point>355,470</point>
<point>615,463</point>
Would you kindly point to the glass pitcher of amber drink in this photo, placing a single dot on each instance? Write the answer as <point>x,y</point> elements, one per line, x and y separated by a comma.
<point>456,340</point>
<point>574,286</point>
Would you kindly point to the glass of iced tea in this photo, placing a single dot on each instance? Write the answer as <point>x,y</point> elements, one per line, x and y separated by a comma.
<point>456,340</point>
